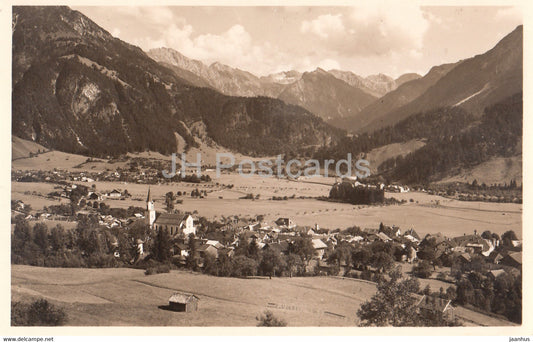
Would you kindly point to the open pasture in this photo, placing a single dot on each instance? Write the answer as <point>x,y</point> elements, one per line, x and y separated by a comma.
<point>126,297</point>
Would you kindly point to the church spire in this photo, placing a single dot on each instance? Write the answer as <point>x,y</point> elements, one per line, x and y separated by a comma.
<point>149,198</point>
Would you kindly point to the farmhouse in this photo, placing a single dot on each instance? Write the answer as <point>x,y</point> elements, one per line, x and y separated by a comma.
<point>183,302</point>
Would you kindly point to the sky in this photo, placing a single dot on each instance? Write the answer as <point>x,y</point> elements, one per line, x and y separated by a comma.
<point>382,38</point>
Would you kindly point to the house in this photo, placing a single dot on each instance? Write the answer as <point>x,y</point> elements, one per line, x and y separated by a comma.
<point>183,302</point>
<point>495,257</point>
<point>412,233</point>
<point>206,249</point>
<point>320,247</point>
<point>495,274</point>
<point>383,237</point>
<point>114,194</point>
<point>94,196</point>
<point>279,247</point>
<point>432,305</point>
<point>411,254</point>
<point>285,222</point>
<point>465,258</point>
<point>180,249</point>
<point>396,231</point>
<point>474,242</point>
<point>188,225</point>
<point>214,243</point>
<point>140,248</point>
<point>513,259</point>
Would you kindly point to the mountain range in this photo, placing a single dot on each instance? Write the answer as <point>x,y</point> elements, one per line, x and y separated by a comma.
<point>332,95</point>
<point>364,104</point>
<point>78,89</point>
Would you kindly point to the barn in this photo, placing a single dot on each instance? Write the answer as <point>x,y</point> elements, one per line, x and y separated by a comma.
<point>183,302</point>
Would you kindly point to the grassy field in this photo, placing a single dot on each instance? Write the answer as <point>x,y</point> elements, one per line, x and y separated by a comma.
<point>128,297</point>
<point>122,297</point>
<point>426,213</point>
<point>497,170</point>
<point>378,155</point>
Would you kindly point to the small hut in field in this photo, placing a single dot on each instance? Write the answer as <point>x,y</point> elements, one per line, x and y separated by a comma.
<point>183,302</point>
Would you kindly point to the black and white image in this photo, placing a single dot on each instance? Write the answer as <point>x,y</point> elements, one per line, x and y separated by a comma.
<point>260,166</point>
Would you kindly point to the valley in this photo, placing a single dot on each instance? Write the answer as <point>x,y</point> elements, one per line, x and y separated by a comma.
<point>102,236</point>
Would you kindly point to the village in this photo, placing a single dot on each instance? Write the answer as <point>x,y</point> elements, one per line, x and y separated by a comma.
<point>469,269</point>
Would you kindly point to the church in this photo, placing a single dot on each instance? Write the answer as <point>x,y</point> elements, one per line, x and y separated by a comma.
<point>176,224</point>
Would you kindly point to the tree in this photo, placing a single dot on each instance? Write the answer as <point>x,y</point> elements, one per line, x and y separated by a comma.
<point>139,230</point>
<point>393,304</point>
<point>486,235</point>
<point>162,245</point>
<point>423,269</point>
<point>40,236</point>
<point>169,200</point>
<point>507,237</point>
<point>270,262</point>
<point>294,264</point>
<point>361,258</point>
<point>58,239</point>
<point>244,266</point>
<point>464,292</point>
<point>303,246</point>
<point>382,261</point>
<point>267,319</point>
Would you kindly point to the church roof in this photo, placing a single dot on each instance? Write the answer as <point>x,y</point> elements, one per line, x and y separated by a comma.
<point>170,219</point>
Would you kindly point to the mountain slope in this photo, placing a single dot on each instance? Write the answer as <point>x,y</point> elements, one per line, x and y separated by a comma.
<point>473,84</point>
<point>227,80</point>
<point>78,89</point>
<point>375,115</point>
<point>477,82</point>
<point>325,95</point>
<point>375,85</point>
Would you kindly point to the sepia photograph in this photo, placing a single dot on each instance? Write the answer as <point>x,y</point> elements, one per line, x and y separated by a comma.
<point>266,166</point>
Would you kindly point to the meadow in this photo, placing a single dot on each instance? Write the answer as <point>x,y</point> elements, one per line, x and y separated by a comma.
<point>127,297</point>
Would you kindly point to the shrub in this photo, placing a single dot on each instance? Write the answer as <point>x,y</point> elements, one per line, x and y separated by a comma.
<point>157,269</point>
<point>38,313</point>
<point>267,319</point>
<point>366,275</point>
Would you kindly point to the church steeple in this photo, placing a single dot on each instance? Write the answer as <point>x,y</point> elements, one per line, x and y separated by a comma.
<point>149,198</point>
<point>150,208</point>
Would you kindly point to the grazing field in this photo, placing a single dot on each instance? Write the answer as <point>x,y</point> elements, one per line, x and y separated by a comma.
<point>121,297</point>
